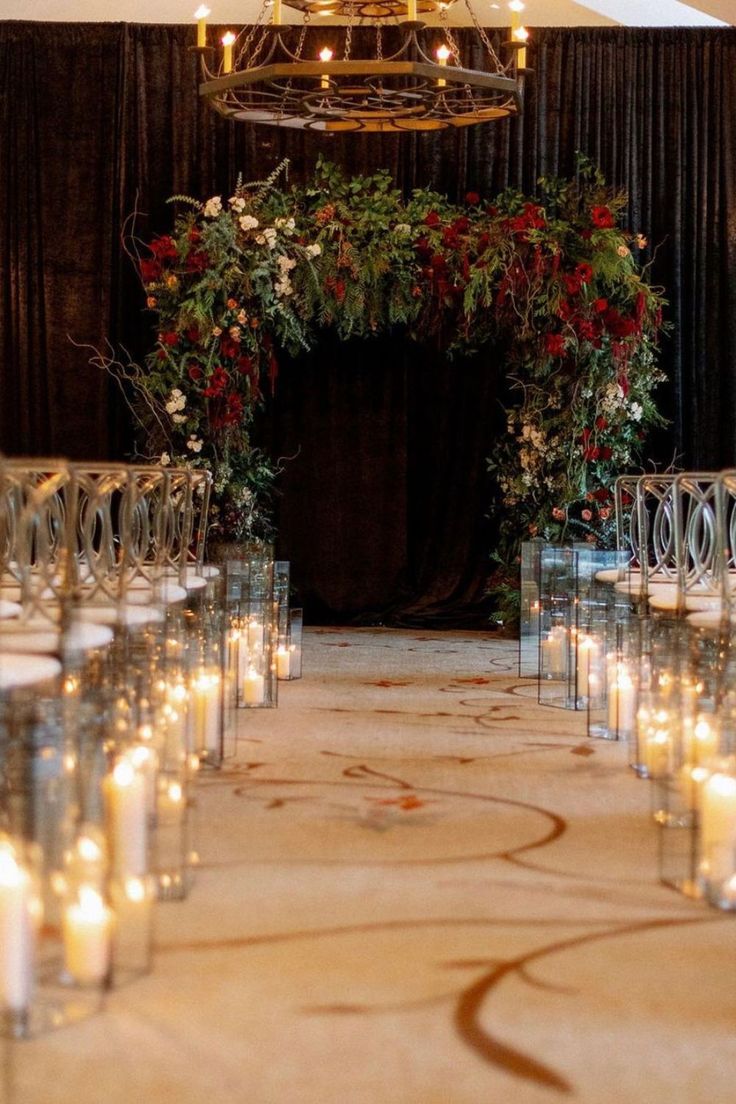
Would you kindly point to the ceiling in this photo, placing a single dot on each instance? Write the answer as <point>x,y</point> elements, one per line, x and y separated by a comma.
<point>539,13</point>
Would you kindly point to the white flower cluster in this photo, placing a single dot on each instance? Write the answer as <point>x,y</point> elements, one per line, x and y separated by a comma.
<point>402,228</point>
<point>165,460</point>
<point>614,399</point>
<point>194,443</point>
<point>237,203</point>
<point>213,207</point>
<point>248,222</point>
<point>177,402</point>
<point>635,411</point>
<point>268,237</point>
<point>288,225</point>
<point>313,250</point>
<point>283,286</point>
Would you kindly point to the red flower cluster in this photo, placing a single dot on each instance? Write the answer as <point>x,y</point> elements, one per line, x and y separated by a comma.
<point>554,344</point>
<point>217,383</point>
<point>531,218</point>
<point>602,217</point>
<point>592,451</point>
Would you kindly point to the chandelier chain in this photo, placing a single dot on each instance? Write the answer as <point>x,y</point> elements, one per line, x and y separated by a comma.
<point>484,37</point>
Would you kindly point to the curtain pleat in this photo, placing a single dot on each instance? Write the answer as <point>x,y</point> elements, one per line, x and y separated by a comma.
<point>382,508</point>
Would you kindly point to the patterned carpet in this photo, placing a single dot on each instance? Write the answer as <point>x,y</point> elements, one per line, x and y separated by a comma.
<point>417,887</point>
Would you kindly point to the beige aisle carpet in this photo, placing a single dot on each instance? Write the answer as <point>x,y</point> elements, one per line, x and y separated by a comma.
<point>417,886</point>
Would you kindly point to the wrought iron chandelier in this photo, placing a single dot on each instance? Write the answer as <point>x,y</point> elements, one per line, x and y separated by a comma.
<point>414,78</point>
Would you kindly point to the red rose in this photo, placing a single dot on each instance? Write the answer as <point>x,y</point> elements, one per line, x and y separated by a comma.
<point>602,218</point>
<point>195,235</point>
<point>606,453</point>
<point>605,513</point>
<point>586,515</point>
<point>164,249</point>
<point>572,282</point>
<point>584,272</point>
<point>554,344</point>
<point>217,383</point>
<point>617,325</point>
<point>461,225</point>
<point>229,347</point>
<point>585,330</point>
<point>558,513</point>
<point>599,305</point>
<point>194,372</point>
<point>150,271</point>
<point>472,199</point>
<point>601,495</point>
<point>432,219</point>
<point>192,334</point>
<point>197,261</point>
<point>601,423</point>
<point>170,338</point>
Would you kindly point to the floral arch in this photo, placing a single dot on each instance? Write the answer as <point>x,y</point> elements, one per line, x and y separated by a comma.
<point>552,279</point>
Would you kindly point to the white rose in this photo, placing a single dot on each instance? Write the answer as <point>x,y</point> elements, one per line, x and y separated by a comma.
<point>177,419</point>
<point>248,222</point>
<point>194,444</point>
<point>213,207</point>
<point>237,203</point>
<point>165,459</point>
<point>313,250</point>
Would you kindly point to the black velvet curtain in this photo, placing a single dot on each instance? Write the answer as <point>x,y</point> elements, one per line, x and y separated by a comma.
<point>382,509</point>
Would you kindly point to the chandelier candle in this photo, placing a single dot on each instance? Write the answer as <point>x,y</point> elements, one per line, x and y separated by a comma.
<point>325,54</point>
<point>276,18</point>
<point>227,52</point>
<point>201,16</point>
<point>443,54</point>
<point>411,11</point>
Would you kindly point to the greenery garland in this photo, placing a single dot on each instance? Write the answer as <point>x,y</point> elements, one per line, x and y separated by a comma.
<point>551,281</point>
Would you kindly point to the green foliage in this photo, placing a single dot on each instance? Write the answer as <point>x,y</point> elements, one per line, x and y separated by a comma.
<point>552,282</point>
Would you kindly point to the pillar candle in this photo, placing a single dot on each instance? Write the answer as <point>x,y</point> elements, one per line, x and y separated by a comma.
<point>718,827</point>
<point>87,933</point>
<point>411,10</point>
<point>554,654</point>
<point>690,780</point>
<point>277,13</point>
<point>255,634</point>
<point>171,801</point>
<point>283,661</point>
<point>253,688</point>
<point>126,812</point>
<point>145,760</point>
<point>16,932</point>
<point>656,748</point>
<point>703,743</point>
<point>206,711</point>
<point>621,700</point>
<point>587,653</point>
